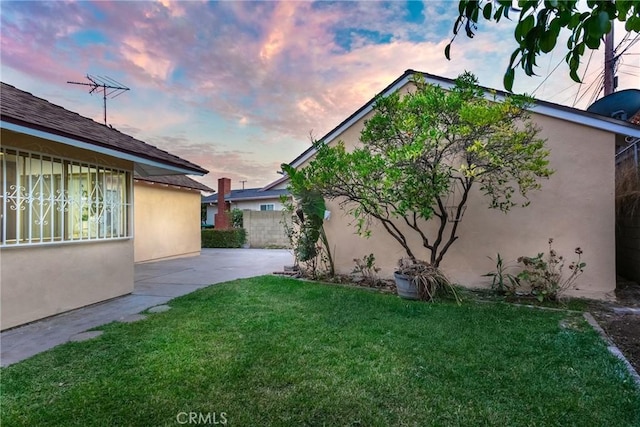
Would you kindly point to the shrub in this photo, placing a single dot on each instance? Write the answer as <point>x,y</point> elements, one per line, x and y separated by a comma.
<point>230,238</point>
<point>544,274</point>
<point>502,281</point>
<point>366,268</point>
<point>237,218</point>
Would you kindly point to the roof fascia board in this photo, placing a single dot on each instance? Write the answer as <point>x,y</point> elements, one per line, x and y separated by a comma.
<point>87,146</point>
<point>586,120</point>
<point>274,183</point>
<point>236,199</point>
<point>578,116</point>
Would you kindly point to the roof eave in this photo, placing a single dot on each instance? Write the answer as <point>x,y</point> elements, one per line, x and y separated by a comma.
<point>142,165</point>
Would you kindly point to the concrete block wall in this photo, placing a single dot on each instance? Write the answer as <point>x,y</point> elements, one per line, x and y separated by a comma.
<point>628,247</point>
<point>265,229</point>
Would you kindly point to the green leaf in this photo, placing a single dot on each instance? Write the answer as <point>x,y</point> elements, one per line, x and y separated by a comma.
<point>486,11</point>
<point>508,79</point>
<point>447,51</point>
<point>604,23</point>
<point>592,42</point>
<point>527,24</point>
<point>548,41</point>
<point>574,75</point>
<point>514,55</point>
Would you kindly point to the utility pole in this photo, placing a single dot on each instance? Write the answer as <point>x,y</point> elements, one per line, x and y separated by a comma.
<point>243,184</point>
<point>609,64</point>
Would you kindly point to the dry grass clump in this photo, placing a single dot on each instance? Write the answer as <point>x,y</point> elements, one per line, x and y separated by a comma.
<point>627,190</point>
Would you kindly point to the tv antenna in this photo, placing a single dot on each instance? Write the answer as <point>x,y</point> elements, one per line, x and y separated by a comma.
<point>109,87</point>
<point>243,184</point>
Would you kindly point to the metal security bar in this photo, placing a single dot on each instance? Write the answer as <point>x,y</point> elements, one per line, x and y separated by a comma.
<point>49,199</point>
<point>629,153</point>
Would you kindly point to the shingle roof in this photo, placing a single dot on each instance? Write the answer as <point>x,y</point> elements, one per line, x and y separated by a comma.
<point>247,194</point>
<point>176,180</point>
<point>22,108</point>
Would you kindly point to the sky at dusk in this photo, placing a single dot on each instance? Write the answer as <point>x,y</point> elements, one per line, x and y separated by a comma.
<point>237,86</point>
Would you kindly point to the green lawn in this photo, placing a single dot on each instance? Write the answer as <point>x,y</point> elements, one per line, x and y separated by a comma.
<point>274,351</point>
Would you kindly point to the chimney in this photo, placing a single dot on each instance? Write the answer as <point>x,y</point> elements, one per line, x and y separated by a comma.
<point>223,217</point>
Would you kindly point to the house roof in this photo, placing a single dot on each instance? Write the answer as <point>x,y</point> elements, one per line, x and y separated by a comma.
<point>176,181</point>
<point>23,112</point>
<point>541,107</point>
<point>247,194</point>
<point>278,181</point>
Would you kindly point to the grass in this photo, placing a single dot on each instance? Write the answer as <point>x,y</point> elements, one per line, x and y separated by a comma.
<point>275,351</point>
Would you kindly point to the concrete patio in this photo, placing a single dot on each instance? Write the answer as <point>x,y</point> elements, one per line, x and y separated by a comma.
<point>156,283</point>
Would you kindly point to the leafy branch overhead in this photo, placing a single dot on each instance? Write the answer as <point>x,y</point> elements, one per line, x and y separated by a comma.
<point>539,24</point>
<point>421,153</point>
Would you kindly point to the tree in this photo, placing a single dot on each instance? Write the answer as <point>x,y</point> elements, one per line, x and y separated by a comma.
<point>308,208</point>
<point>539,25</point>
<point>420,150</point>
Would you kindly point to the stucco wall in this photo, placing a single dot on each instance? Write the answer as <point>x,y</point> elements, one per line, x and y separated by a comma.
<point>575,207</point>
<point>166,222</point>
<point>40,281</point>
<point>265,229</point>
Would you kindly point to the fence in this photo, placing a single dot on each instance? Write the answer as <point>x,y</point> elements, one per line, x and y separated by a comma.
<point>630,153</point>
<point>265,229</point>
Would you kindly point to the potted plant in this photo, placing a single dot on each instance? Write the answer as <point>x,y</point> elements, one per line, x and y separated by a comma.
<point>417,279</point>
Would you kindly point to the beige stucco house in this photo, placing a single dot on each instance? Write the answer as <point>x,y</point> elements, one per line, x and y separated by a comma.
<point>575,206</point>
<point>67,207</point>
<point>166,217</point>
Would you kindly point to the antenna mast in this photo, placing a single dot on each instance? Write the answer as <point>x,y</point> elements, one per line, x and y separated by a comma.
<point>109,87</point>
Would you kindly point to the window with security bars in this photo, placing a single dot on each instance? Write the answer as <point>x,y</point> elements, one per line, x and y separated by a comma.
<point>48,199</point>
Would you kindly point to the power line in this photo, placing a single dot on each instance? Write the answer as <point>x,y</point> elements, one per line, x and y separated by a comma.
<point>631,43</point>
<point>573,85</point>
<point>546,78</point>
<point>583,74</point>
<point>629,74</point>
<point>599,87</point>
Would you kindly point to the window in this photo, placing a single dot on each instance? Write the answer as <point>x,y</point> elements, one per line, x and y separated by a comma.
<point>48,199</point>
<point>267,207</point>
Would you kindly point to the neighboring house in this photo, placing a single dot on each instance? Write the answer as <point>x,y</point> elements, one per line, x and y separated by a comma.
<point>67,207</point>
<point>249,199</point>
<point>167,217</point>
<point>262,217</point>
<point>575,206</point>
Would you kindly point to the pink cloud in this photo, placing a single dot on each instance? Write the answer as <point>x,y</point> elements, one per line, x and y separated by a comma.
<point>270,72</point>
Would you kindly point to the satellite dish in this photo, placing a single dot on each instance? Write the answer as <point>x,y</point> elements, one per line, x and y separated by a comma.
<point>620,105</point>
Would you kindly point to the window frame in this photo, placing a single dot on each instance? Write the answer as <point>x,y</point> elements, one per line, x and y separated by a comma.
<point>60,205</point>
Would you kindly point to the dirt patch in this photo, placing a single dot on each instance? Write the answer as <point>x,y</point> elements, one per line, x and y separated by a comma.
<point>624,330</point>
<point>622,326</point>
